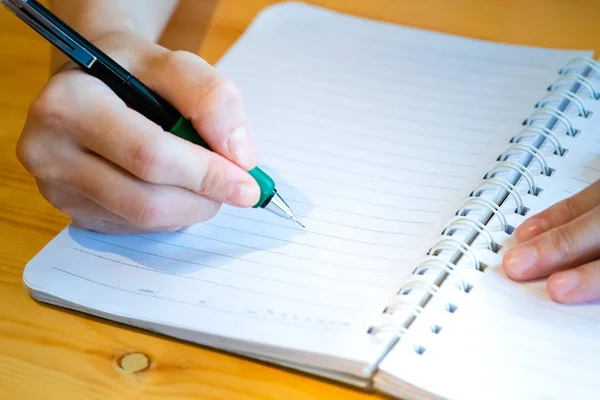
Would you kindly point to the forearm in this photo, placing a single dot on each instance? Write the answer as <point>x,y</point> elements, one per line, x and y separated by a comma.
<point>94,18</point>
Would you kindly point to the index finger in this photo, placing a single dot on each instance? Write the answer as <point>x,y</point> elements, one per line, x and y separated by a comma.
<point>560,213</point>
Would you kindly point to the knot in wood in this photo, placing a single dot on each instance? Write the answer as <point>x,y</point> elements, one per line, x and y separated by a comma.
<point>133,362</point>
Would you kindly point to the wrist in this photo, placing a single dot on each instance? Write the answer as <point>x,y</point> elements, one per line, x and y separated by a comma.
<point>124,47</point>
<point>99,19</point>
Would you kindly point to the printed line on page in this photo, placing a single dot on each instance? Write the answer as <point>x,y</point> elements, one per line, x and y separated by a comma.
<point>309,233</point>
<point>276,95</point>
<point>340,145</point>
<point>212,308</point>
<point>367,163</point>
<point>387,41</point>
<point>581,180</point>
<point>374,129</point>
<point>282,254</point>
<point>343,225</point>
<point>331,50</point>
<point>323,113</point>
<point>387,219</point>
<point>259,73</point>
<point>229,286</point>
<point>329,195</point>
<point>588,167</point>
<point>326,167</point>
<point>339,142</point>
<point>299,244</point>
<point>278,281</point>
<point>401,196</point>
<point>274,266</point>
<point>317,233</point>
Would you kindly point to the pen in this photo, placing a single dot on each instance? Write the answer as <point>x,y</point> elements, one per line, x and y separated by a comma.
<point>131,90</point>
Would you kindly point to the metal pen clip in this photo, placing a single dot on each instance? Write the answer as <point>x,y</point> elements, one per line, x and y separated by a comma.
<point>49,30</point>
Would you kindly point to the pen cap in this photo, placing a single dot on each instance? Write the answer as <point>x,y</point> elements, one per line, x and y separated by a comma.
<point>185,130</point>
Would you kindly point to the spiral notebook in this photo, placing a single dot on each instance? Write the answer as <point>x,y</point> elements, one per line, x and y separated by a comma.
<point>411,157</point>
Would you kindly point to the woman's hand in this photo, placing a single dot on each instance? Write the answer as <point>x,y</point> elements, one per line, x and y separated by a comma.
<point>562,242</point>
<point>113,170</point>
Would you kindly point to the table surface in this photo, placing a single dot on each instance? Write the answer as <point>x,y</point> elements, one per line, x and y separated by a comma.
<point>72,356</point>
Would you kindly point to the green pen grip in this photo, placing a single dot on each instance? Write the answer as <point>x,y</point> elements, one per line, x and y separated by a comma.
<point>185,130</point>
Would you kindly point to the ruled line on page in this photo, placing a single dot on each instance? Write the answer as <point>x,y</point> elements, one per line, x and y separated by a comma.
<point>338,141</point>
<point>311,232</point>
<point>279,143</point>
<point>336,224</point>
<point>376,124</point>
<point>373,203</point>
<point>328,195</point>
<point>588,167</point>
<point>581,180</point>
<point>358,214</point>
<point>335,51</point>
<point>454,87</point>
<point>366,189</point>
<point>259,72</point>
<point>371,270</point>
<point>371,41</point>
<point>373,129</point>
<point>274,266</point>
<point>333,111</point>
<point>296,243</point>
<point>307,233</point>
<point>275,95</point>
<point>375,177</point>
<point>197,305</point>
<point>338,144</point>
<point>278,281</point>
<point>487,83</point>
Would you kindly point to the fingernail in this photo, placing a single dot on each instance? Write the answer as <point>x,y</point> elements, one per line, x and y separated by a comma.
<point>530,229</point>
<point>565,282</point>
<point>241,148</point>
<point>520,260</point>
<point>244,195</point>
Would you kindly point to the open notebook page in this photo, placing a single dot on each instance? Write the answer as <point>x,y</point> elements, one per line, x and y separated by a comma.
<point>374,134</point>
<point>508,339</point>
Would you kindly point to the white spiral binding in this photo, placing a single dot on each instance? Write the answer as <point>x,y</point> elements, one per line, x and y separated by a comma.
<point>433,262</point>
<point>542,114</point>
<point>466,222</point>
<point>562,94</point>
<point>570,78</point>
<point>502,184</point>
<point>581,62</point>
<point>434,259</point>
<point>486,204</point>
<point>511,166</point>
<point>520,148</point>
<point>541,130</point>
<point>450,243</point>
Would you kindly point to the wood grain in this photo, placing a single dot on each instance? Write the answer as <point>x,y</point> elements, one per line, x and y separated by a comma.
<point>46,352</point>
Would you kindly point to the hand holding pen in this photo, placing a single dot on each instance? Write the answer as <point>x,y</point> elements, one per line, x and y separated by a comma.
<point>99,142</point>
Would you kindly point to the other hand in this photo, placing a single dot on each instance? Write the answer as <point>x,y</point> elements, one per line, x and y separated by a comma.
<point>562,243</point>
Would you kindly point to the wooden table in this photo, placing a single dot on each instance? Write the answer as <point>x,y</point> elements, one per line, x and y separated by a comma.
<point>71,356</point>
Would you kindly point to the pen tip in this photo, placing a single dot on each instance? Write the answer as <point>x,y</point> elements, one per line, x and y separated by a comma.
<point>298,222</point>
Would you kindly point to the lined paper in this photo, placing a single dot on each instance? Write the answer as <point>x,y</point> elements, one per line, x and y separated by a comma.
<point>374,135</point>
